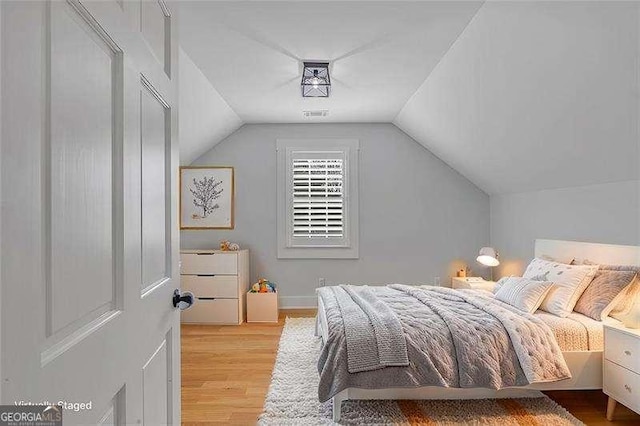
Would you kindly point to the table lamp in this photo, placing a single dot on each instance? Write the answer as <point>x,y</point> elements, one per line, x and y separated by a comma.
<point>488,256</point>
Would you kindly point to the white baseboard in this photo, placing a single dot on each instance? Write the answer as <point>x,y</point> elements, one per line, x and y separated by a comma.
<point>298,302</point>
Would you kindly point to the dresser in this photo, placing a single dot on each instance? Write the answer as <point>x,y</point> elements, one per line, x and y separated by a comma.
<point>621,368</point>
<point>219,280</point>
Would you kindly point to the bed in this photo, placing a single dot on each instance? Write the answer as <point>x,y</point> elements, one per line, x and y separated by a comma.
<point>579,338</point>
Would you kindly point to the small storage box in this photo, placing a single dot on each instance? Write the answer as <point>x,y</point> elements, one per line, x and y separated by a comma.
<point>262,307</point>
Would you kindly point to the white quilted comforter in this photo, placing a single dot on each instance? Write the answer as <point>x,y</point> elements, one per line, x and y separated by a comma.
<point>453,339</point>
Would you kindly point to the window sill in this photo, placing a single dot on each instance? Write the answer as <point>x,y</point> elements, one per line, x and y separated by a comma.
<point>317,253</point>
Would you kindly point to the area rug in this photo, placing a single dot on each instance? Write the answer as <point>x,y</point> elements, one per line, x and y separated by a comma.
<point>293,400</point>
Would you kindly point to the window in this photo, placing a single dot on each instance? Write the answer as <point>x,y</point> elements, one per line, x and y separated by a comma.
<point>317,198</point>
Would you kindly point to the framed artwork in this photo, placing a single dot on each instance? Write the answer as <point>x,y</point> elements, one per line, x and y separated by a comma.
<point>206,197</point>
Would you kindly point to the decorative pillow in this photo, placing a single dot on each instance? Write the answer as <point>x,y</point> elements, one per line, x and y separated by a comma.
<point>604,293</point>
<point>636,269</point>
<point>565,260</point>
<point>500,283</point>
<point>624,302</point>
<point>523,293</point>
<point>607,267</point>
<point>570,280</point>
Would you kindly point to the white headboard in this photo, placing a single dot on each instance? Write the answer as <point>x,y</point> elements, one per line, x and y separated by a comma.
<point>605,254</point>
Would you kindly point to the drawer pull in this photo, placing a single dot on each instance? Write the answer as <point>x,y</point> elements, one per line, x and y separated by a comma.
<point>205,275</point>
<point>207,298</point>
<point>627,353</point>
<point>628,388</point>
<point>205,254</point>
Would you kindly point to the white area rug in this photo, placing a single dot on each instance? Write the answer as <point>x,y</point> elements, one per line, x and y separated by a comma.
<point>293,399</point>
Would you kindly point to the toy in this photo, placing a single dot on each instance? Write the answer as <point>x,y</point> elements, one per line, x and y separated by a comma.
<point>229,246</point>
<point>263,286</point>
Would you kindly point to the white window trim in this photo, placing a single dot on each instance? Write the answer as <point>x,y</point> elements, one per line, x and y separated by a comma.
<point>348,249</point>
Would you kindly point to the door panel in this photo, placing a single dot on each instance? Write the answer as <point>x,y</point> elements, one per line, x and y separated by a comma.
<point>155,156</point>
<point>155,24</point>
<point>79,163</point>
<point>108,418</point>
<point>114,413</point>
<point>155,383</point>
<point>89,178</point>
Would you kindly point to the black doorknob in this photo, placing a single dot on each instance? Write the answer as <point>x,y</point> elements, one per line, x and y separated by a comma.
<point>182,301</point>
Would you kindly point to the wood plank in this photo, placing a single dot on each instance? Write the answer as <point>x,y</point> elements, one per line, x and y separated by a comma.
<point>226,370</point>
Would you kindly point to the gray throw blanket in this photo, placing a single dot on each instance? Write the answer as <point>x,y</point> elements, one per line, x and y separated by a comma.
<point>461,339</point>
<point>373,333</point>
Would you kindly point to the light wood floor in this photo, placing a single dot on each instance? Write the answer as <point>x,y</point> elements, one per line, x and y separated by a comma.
<point>226,372</point>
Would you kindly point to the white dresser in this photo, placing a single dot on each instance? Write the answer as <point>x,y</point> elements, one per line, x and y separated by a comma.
<point>219,280</point>
<point>621,368</point>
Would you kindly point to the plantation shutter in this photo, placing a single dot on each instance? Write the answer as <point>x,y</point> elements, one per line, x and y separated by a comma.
<point>318,196</point>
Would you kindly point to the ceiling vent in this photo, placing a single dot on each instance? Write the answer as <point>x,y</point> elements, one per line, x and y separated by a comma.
<point>317,113</point>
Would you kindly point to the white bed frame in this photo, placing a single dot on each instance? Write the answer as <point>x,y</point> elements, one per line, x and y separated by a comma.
<point>585,366</point>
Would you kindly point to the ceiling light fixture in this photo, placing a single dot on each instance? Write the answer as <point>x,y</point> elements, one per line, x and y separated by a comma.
<point>315,80</point>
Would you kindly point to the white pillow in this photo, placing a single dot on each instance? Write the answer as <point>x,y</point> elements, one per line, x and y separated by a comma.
<point>570,282</point>
<point>500,283</point>
<point>523,293</point>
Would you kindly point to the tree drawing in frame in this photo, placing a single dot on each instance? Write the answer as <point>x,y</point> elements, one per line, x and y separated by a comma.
<point>206,197</point>
<point>205,192</point>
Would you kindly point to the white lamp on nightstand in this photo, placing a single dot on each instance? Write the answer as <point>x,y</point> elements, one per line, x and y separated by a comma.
<point>488,256</point>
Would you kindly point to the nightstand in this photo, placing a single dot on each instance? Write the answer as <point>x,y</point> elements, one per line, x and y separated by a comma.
<point>621,381</point>
<point>473,283</point>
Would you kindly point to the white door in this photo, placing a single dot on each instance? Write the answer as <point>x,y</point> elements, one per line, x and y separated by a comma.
<point>89,236</point>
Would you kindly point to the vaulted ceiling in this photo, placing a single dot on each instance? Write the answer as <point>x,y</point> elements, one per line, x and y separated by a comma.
<point>380,53</point>
<point>516,96</point>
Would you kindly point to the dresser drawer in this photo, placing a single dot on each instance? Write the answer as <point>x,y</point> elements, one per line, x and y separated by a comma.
<point>622,385</point>
<point>209,263</point>
<point>218,311</point>
<point>622,348</point>
<point>223,286</point>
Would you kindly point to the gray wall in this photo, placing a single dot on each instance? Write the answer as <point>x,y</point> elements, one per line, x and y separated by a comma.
<point>607,213</point>
<point>418,217</point>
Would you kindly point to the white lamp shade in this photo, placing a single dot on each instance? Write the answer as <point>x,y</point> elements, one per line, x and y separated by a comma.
<point>488,256</point>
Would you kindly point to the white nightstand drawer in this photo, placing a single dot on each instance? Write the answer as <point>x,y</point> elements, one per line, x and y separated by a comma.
<point>223,286</point>
<point>209,263</point>
<point>622,348</point>
<point>622,384</point>
<point>217,311</point>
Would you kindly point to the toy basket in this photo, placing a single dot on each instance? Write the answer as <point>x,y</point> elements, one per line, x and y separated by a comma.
<point>262,307</point>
